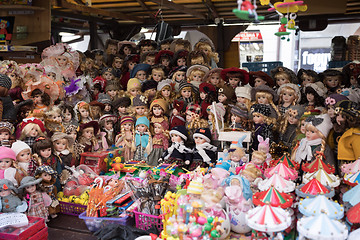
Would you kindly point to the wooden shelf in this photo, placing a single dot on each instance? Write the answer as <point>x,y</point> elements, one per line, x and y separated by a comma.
<point>21,7</point>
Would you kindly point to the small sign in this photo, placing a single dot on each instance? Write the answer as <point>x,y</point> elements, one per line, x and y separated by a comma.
<point>13,219</point>
<point>315,58</point>
<point>248,37</point>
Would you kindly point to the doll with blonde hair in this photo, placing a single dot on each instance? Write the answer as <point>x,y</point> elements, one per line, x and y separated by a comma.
<point>283,75</point>
<point>289,95</point>
<point>289,124</point>
<point>193,118</point>
<point>164,91</point>
<point>195,74</point>
<point>267,96</point>
<point>258,159</point>
<point>53,120</point>
<point>177,76</point>
<point>317,129</point>
<point>83,113</point>
<point>30,129</point>
<point>207,47</point>
<point>253,175</point>
<point>186,93</point>
<point>157,73</point>
<point>126,137</point>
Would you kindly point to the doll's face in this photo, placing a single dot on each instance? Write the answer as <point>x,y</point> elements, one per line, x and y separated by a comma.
<point>24,156</point>
<point>51,75</point>
<point>89,64</point>
<point>196,77</point>
<point>175,112</point>
<point>5,163</point>
<point>99,60</point>
<point>234,82</point>
<point>33,132</point>
<point>107,107</point>
<point>292,119</point>
<point>157,75</point>
<point>157,111</point>
<point>62,60</point>
<point>176,138</point>
<point>150,60</point>
<point>165,92</point>
<point>165,46</point>
<point>302,126</point>
<point>258,82</point>
<point>179,76</point>
<point>215,79</point>
<point>198,61</point>
<point>84,113</point>
<point>108,125</point>
<point>131,65</point>
<point>141,128</point>
<point>45,153</point>
<point>60,145</point>
<point>73,134</point>
<point>145,49</point>
<point>88,133</point>
<point>108,76</point>
<point>199,140</point>
<point>165,62</point>
<point>306,79</point>
<point>122,109</point>
<point>57,117</point>
<point>258,118</point>
<point>127,50</point>
<point>111,49</point>
<point>332,81</point>
<point>181,62</point>
<point>331,111</point>
<point>262,100</point>
<point>311,135</point>
<point>235,119</point>
<point>67,116</point>
<point>112,93</point>
<point>281,79</point>
<point>30,189</point>
<point>141,75</point>
<point>151,92</point>
<point>257,161</point>
<point>241,100</point>
<point>12,76</point>
<point>140,110</point>
<point>186,93</point>
<point>4,193</point>
<point>288,96</point>
<point>202,95</point>
<point>134,91</point>
<point>340,119</point>
<point>310,97</point>
<point>157,128</point>
<point>222,98</point>
<point>127,126</point>
<point>118,62</point>
<point>113,182</point>
<point>4,135</point>
<point>37,99</point>
<point>46,177</point>
<point>236,155</point>
<point>189,117</point>
<point>95,110</point>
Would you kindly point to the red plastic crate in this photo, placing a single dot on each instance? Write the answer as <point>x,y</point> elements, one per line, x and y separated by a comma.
<point>95,160</point>
<point>22,233</point>
<point>43,234</point>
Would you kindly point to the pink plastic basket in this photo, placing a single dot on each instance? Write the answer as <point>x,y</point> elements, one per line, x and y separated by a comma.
<point>72,209</point>
<point>145,221</point>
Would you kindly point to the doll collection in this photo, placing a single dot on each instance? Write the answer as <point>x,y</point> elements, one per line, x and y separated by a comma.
<point>163,104</point>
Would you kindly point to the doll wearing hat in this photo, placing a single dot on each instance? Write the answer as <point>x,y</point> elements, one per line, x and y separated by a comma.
<point>193,118</point>
<point>160,141</point>
<point>226,95</point>
<point>266,95</point>
<point>332,79</point>
<point>140,106</point>
<point>187,93</point>
<point>62,146</point>
<point>163,61</point>
<point>26,165</point>
<point>195,74</point>
<point>260,78</point>
<point>177,75</point>
<point>7,169</point>
<point>6,134</point>
<point>133,88</point>
<point>177,114</point>
<point>243,96</point>
<point>10,202</point>
<point>263,123</point>
<point>158,109</point>
<point>126,137</point>
<point>165,91</point>
<point>178,152</point>
<point>141,72</point>
<point>315,94</point>
<point>235,77</point>
<point>204,154</point>
<point>34,198</point>
<point>208,94</point>
<point>237,155</point>
<point>148,88</point>
<point>7,109</point>
<point>317,129</point>
<point>143,140</point>
<point>239,118</point>
<point>205,45</point>
<point>289,124</point>
<point>283,75</point>
<point>87,136</point>
<point>107,123</point>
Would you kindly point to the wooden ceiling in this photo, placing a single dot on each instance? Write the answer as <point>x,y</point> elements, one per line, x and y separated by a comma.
<point>182,12</point>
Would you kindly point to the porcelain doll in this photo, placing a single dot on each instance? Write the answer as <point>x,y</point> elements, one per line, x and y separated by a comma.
<point>107,102</point>
<point>146,45</point>
<point>25,164</point>
<point>204,153</point>
<point>331,101</point>
<point>235,77</point>
<point>10,202</point>
<point>116,62</point>
<point>177,76</point>
<point>99,58</point>
<point>122,106</point>
<point>30,129</point>
<point>140,107</point>
<point>125,137</point>
<point>177,114</point>
<point>226,95</point>
<point>68,115</point>
<point>34,198</point>
<point>112,90</point>
<point>317,129</point>
<point>300,132</point>
<point>267,96</point>
<point>53,120</point>
<point>96,109</point>
<point>87,136</point>
<point>180,44</point>
<point>63,147</point>
<point>195,74</point>
<point>243,96</point>
<point>42,101</point>
<point>23,111</point>
<point>160,141</point>
<point>186,93</point>
<point>141,72</point>
<point>143,139</point>
<point>83,113</point>
<point>111,47</point>
<point>197,58</point>
<point>289,125</point>
<point>157,73</point>
<point>12,70</point>
<point>180,58</point>
<point>7,163</point>
<point>214,77</point>
<point>6,134</point>
<point>332,79</point>
<point>88,66</point>
<point>158,109</point>
<point>237,155</point>
<point>107,123</point>
<point>283,75</point>
<point>164,91</point>
<point>306,76</point>
<point>44,152</point>
<point>164,59</point>
<point>7,109</point>
<point>48,177</point>
<point>126,47</point>
<point>129,64</point>
<point>315,96</point>
<point>218,110</point>
<point>206,46</point>
<point>260,78</point>
<point>351,73</point>
<point>239,119</point>
<point>208,95</point>
<point>289,95</point>
<point>133,88</point>
<point>148,89</point>
<point>178,152</point>
<point>263,123</point>
<point>193,119</point>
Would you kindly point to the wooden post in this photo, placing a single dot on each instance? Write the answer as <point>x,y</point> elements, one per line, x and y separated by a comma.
<point>93,35</point>
<point>220,43</point>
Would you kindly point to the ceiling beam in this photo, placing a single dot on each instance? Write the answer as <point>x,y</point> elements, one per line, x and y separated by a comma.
<point>78,16</point>
<point>210,5</point>
<point>97,11</point>
<point>79,2</point>
<point>179,8</point>
<point>145,8</point>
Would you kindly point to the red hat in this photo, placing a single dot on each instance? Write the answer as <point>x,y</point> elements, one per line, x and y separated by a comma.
<point>179,105</point>
<point>93,124</point>
<point>232,70</point>
<point>177,121</point>
<point>164,124</point>
<point>37,121</point>
<point>96,103</point>
<point>163,53</point>
<point>206,88</point>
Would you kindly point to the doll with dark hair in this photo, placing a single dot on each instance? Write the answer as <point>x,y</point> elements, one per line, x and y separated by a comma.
<point>126,48</point>
<point>164,58</point>
<point>23,110</point>
<point>180,58</point>
<point>235,77</point>
<point>306,76</point>
<point>129,63</point>
<point>111,47</point>
<point>107,123</point>
<point>68,115</point>
<point>6,134</point>
<point>146,45</point>
<point>263,124</point>
<point>148,57</point>
<point>208,95</point>
<point>116,62</point>
<point>352,73</point>
<point>165,44</point>
<point>41,100</point>
<point>315,96</point>
<point>99,59</point>
<point>332,79</point>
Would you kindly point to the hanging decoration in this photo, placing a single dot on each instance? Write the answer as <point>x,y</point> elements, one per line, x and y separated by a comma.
<point>247,11</point>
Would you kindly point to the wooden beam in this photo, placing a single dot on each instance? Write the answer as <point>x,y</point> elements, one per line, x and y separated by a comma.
<point>212,8</point>
<point>145,8</point>
<point>179,8</point>
<point>79,2</point>
<point>97,11</point>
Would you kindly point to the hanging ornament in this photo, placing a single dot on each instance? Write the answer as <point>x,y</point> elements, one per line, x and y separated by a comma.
<point>247,11</point>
